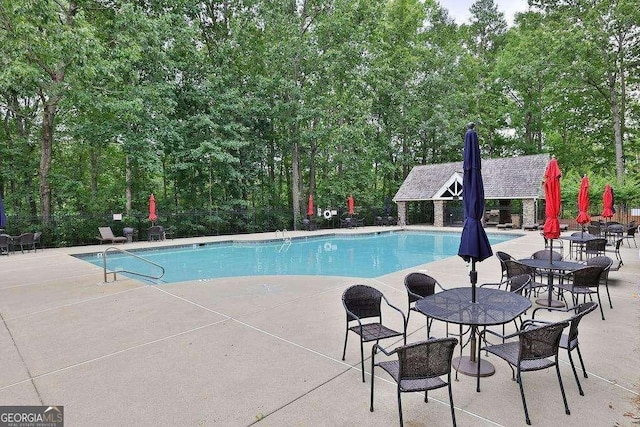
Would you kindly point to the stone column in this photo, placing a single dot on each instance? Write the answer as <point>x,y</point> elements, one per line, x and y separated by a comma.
<point>438,213</point>
<point>402,213</point>
<point>528,212</point>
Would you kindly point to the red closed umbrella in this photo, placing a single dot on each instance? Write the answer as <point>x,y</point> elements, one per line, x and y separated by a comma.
<point>607,202</point>
<point>583,202</point>
<point>153,216</point>
<point>350,205</point>
<point>310,206</point>
<point>551,229</point>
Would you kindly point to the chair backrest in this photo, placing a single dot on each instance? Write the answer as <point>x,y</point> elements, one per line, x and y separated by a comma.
<point>36,236</point>
<point>363,301</point>
<point>514,268</point>
<point>546,254</point>
<point>106,233</point>
<point>594,229</point>
<point>4,240</point>
<point>26,238</point>
<point>420,284</point>
<point>540,342</point>
<point>503,256</point>
<point>518,283</point>
<point>595,245</point>
<point>588,276</point>
<point>426,359</point>
<point>156,229</point>
<point>603,261</point>
<point>581,311</point>
<point>631,231</point>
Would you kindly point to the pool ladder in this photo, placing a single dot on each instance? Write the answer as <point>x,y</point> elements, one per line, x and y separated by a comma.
<point>286,239</point>
<point>114,272</point>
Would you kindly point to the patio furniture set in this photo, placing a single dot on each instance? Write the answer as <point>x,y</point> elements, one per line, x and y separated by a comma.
<point>25,241</point>
<point>155,232</point>
<point>427,364</point>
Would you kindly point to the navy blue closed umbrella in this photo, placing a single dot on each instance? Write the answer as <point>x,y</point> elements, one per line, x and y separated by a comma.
<point>474,244</point>
<point>3,217</point>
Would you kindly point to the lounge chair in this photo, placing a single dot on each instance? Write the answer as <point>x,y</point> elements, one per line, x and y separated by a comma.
<point>106,235</point>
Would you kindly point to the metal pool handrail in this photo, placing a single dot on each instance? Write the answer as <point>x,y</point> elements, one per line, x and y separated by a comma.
<point>104,265</point>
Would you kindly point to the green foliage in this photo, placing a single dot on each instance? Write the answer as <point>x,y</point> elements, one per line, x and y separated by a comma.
<point>213,106</point>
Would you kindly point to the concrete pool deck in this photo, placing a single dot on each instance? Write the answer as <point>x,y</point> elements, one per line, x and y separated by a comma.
<point>267,350</point>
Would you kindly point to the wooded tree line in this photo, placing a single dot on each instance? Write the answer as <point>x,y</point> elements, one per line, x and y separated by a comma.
<point>234,104</point>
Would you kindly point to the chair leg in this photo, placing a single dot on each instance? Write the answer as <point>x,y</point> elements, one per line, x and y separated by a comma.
<point>372,376</point>
<point>346,335</point>
<point>362,357</point>
<point>400,404</point>
<point>564,397</point>
<point>584,371</point>
<point>606,285</point>
<point>524,401</point>
<point>575,373</point>
<point>453,412</point>
<point>600,304</point>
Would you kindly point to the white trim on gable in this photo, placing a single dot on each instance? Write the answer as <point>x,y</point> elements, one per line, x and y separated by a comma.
<point>451,190</point>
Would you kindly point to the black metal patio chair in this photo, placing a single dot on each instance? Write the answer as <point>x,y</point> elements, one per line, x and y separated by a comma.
<point>584,281</point>
<point>363,303</point>
<point>420,285</point>
<point>569,341</point>
<point>420,367</point>
<point>536,349</point>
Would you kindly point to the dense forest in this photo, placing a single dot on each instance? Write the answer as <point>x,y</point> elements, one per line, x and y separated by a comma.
<point>232,108</point>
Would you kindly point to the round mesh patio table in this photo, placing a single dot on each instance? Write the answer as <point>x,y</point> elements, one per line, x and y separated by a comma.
<point>492,307</point>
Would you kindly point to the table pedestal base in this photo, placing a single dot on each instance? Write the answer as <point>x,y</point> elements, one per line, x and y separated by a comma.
<point>469,367</point>
<point>545,302</point>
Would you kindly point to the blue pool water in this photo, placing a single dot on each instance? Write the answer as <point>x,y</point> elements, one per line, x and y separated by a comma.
<point>366,255</point>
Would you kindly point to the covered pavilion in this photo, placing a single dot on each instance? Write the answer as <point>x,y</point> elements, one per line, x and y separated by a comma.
<point>505,179</point>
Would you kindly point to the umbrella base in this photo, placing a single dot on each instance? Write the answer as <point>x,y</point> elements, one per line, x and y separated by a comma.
<point>469,367</point>
<point>546,303</point>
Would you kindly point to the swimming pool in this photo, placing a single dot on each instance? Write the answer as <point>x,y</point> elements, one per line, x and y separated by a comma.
<point>360,255</point>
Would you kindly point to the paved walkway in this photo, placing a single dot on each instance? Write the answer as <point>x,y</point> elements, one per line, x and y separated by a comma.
<point>267,350</point>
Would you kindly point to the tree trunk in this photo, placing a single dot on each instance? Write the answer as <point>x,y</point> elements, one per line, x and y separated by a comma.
<point>48,122</point>
<point>295,184</point>
<point>127,178</point>
<point>617,131</point>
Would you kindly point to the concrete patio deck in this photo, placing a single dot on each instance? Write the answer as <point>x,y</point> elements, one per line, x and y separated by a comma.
<point>267,350</point>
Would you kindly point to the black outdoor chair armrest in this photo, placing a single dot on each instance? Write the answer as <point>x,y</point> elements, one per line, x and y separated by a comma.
<point>414,295</point>
<point>356,318</point>
<point>559,309</point>
<point>491,284</point>
<point>404,318</point>
<point>377,347</point>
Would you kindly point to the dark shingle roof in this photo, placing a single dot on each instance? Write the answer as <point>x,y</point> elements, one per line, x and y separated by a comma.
<point>506,178</point>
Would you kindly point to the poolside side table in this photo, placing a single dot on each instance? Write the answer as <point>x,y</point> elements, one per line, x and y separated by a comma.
<point>492,307</point>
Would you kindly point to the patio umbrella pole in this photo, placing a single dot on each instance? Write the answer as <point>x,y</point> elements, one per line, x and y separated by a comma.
<point>473,276</point>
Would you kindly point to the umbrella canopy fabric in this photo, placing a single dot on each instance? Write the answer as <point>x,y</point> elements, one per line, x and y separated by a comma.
<point>153,216</point>
<point>583,202</point>
<point>474,244</point>
<point>310,206</point>
<point>551,185</point>
<point>350,205</point>
<point>3,217</point>
<point>607,202</point>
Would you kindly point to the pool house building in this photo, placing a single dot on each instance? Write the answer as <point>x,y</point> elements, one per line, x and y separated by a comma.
<point>505,180</point>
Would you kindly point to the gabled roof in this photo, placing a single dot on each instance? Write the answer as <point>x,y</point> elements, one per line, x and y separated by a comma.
<point>506,178</point>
